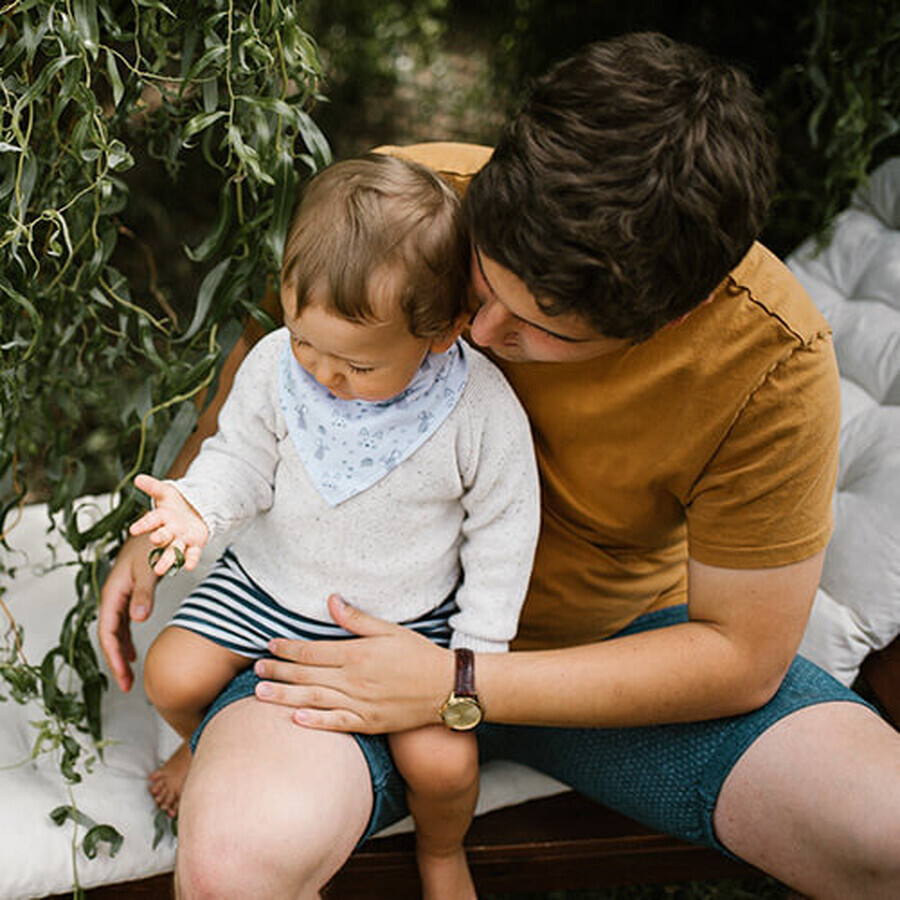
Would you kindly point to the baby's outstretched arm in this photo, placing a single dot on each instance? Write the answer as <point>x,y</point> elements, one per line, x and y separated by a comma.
<point>173,524</point>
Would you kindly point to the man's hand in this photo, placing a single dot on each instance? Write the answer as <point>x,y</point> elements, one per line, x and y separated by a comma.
<point>174,526</point>
<point>390,679</point>
<point>126,596</point>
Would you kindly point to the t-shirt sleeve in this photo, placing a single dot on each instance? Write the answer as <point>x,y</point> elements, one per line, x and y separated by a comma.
<point>765,497</point>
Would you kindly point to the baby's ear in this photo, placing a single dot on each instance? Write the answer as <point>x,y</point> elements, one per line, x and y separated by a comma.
<point>445,341</point>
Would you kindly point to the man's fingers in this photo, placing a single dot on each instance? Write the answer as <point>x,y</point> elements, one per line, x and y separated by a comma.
<point>342,720</point>
<point>356,620</point>
<point>319,707</point>
<point>301,696</point>
<point>141,602</point>
<point>311,653</point>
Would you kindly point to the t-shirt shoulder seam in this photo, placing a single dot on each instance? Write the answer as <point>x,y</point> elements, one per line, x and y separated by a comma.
<point>802,339</point>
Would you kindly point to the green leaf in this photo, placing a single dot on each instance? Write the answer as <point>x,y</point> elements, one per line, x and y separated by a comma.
<point>283,205</point>
<point>102,834</point>
<point>209,59</point>
<point>118,157</point>
<point>315,141</point>
<point>201,122</point>
<point>63,814</point>
<point>205,297</point>
<point>115,80</point>
<point>158,6</point>
<point>176,434</point>
<point>214,240</point>
<point>85,12</point>
<point>163,825</point>
<point>40,84</point>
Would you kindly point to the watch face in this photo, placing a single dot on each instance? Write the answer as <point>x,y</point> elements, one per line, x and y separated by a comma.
<point>462,713</point>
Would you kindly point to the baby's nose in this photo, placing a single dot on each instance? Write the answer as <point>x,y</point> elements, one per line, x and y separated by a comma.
<point>327,372</point>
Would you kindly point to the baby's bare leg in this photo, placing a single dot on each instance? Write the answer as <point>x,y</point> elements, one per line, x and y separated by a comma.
<point>440,768</point>
<point>184,672</point>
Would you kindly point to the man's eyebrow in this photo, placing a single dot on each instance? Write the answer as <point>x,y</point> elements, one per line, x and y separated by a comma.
<point>560,337</point>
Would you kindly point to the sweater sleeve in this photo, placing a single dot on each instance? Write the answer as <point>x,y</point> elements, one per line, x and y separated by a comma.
<point>501,504</point>
<point>232,478</point>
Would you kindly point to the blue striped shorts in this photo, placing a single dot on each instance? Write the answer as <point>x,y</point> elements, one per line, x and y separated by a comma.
<point>231,609</point>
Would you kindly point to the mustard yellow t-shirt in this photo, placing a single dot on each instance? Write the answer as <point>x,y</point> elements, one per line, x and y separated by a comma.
<point>717,438</point>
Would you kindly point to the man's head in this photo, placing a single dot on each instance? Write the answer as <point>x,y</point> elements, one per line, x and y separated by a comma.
<point>637,175</point>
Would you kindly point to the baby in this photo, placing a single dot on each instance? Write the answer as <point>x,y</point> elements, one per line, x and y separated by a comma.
<point>363,450</point>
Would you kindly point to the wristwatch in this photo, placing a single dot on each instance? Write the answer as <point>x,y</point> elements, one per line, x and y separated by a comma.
<point>462,710</point>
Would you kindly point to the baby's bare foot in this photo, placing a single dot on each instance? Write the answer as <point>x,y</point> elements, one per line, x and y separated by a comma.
<point>167,782</point>
<point>445,877</point>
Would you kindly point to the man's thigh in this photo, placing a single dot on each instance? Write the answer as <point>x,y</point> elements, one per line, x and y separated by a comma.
<point>816,802</point>
<point>666,776</point>
<point>268,799</point>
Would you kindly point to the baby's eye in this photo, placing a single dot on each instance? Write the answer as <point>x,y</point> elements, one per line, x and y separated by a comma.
<point>360,370</point>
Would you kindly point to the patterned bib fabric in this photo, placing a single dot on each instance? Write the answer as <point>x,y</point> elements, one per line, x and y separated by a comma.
<point>348,445</point>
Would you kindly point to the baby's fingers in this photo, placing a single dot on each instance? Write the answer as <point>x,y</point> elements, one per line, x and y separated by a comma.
<point>147,522</point>
<point>151,486</point>
<point>192,556</point>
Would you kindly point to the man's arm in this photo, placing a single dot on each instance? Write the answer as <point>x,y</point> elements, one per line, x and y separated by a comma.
<point>728,659</point>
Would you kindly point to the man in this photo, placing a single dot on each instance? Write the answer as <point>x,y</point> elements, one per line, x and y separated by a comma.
<point>682,392</point>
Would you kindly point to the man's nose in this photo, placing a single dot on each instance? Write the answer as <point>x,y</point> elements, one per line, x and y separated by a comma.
<point>490,322</point>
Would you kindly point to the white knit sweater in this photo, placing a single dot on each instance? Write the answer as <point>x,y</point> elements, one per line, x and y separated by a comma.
<point>462,510</point>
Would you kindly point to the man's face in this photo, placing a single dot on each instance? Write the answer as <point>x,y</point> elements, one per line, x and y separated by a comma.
<point>512,325</point>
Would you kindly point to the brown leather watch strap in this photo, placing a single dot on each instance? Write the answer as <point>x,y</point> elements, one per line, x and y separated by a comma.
<point>465,673</point>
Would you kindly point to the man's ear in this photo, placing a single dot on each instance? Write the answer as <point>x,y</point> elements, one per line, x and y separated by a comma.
<point>444,342</point>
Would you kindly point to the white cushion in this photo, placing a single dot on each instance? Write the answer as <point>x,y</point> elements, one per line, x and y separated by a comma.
<point>855,281</point>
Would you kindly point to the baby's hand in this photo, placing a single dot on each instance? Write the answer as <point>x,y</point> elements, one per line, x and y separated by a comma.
<point>175,527</point>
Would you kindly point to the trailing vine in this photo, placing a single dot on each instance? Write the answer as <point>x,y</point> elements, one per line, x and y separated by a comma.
<point>102,367</point>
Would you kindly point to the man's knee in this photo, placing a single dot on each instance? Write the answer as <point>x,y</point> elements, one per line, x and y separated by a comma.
<point>223,859</point>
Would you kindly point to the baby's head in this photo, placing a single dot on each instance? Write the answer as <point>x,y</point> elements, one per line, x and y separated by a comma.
<point>374,275</point>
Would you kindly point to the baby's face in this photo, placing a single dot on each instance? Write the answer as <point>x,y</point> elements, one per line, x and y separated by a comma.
<point>356,361</point>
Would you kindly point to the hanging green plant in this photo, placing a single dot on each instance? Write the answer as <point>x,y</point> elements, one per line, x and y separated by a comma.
<point>101,369</point>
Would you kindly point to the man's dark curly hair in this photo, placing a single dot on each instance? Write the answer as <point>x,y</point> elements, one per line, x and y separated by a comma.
<point>637,175</point>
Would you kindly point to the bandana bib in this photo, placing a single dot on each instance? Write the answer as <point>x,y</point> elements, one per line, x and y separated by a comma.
<point>347,446</point>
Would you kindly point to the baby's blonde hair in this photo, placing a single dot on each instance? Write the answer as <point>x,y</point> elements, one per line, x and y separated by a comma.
<point>379,215</point>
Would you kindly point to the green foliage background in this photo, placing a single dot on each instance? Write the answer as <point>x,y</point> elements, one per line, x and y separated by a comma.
<point>100,366</point>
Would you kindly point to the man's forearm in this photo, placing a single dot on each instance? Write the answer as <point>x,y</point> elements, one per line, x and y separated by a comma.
<point>686,672</point>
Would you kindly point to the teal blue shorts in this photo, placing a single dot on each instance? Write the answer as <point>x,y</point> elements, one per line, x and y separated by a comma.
<point>666,776</point>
